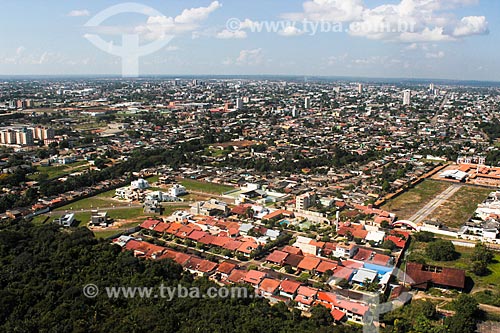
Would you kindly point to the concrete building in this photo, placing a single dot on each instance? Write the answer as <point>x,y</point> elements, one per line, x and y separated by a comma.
<point>177,190</point>
<point>407,97</point>
<point>307,102</point>
<point>305,200</point>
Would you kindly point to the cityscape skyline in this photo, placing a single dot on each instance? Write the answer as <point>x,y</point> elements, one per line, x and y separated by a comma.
<point>426,39</point>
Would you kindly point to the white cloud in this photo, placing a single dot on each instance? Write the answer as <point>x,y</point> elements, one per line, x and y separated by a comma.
<point>437,55</point>
<point>329,10</point>
<point>291,31</point>
<point>79,13</point>
<point>229,34</point>
<point>160,27</point>
<point>427,35</point>
<point>471,25</point>
<point>193,15</point>
<point>405,21</point>
<point>250,57</point>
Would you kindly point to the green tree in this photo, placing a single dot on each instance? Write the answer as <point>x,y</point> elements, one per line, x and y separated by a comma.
<point>441,250</point>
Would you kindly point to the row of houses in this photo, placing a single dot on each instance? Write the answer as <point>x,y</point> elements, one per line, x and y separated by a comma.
<point>265,285</point>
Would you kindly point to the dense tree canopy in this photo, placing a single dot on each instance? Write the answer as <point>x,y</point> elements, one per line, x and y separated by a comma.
<point>43,270</point>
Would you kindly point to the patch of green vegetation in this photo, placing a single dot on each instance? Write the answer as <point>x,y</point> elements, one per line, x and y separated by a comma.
<point>92,203</point>
<point>55,171</point>
<point>460,206</point>
<point>199,186</point>
<point>153,179</point>
<point>126,214</point>
<point>488,297</point>
<point>408,203</point>
<point>40,219</point>
<point>106,233</point>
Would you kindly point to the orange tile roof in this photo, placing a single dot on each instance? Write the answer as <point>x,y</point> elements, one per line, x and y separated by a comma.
<point>269,285</point>
<point>309,263</point>
<point>289,286</point>
<point>254,277</point>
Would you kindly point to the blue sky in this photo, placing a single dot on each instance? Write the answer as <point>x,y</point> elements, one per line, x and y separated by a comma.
<point>449,39</point>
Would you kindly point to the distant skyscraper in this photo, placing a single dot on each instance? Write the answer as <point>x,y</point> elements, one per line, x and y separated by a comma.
<point>239,103</point>
<point>295,112</point>
<point>406,97</point>
<point>431,86</point>
<point>307,102</point>
<point>360,88</point>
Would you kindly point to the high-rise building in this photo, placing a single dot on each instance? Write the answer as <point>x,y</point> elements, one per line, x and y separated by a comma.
<point>43,133</point>
<point>8,137</point>
<point>239,104</point>
<point>307,102</point>
<point>431,86</point>
<point>360,88</point>
<point>24,137</point>
<point>295,112</point>
<point>406,97</point>
<point>305,200</point>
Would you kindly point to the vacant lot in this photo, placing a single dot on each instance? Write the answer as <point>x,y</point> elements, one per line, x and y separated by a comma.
<point>408,203</point>
<point>94,203</point>
<point>199,186</point>
<point>460,206</point>
<point>55,171</point>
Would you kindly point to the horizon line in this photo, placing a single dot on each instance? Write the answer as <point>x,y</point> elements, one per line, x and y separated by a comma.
<point>295,76</point>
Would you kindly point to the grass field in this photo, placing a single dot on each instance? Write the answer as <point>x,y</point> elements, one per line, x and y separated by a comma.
<point>460,206</point>
<point>93,202</point>
<point>408,203</point>
<point>195,185</point>
<point>55,171</point>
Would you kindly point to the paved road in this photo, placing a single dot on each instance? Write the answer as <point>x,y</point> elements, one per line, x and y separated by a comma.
<point>428,209</point>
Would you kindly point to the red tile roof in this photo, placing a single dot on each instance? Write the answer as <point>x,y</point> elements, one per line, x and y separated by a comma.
<point>422,275</point>
<point>291,249</point>
<point>226,267</point>
<point>277,257</point>
<point>343,272</point>
<point>289,286</point>
<point>207,239</point>
<point>309,263</point>
<point>278,213</point>
<point>161,227</point>
<point>398,241</point>
<point>220,241</point>
<point>237,275</point>
<point>196,235</point>
<point>326,265</point>
<point>254,277</point>
<point>337,315</point>
<point>293,260</point>
<point>149,224</point>
<point>173,227</point>
<point>232,245</point>
<point>269,285</point>
<point>247,247</point>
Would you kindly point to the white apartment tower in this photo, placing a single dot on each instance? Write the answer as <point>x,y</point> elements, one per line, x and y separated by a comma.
<point>307,102</point>
<point>406,97</point>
